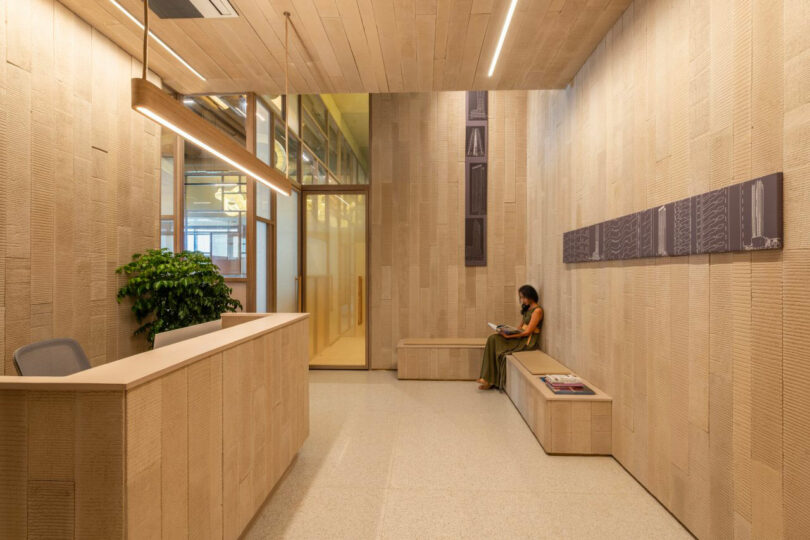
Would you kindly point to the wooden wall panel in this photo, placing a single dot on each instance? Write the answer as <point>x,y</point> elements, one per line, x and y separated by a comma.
<point>155,459</point>
<point>13,464</point>
<point>704,356</point>
<point>420,286</point>
<point>175,446</point>
<point>59,458</point>
<point>204,449</point>
<point>80,183</point>
<point>100,480</point>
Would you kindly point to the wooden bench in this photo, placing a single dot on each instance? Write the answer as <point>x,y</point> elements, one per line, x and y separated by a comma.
<point>563,424</point>
<point>443,359</point>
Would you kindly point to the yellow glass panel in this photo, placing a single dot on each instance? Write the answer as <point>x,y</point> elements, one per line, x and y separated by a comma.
<point>336,278</point>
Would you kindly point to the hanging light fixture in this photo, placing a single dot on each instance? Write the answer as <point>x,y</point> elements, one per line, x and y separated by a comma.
<point>152,102</point>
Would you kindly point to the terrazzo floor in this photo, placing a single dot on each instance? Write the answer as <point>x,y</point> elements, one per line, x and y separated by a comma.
<point>421,459</point>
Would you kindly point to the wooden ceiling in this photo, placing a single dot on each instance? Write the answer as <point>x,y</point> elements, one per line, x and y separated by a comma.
<point>367,45</point>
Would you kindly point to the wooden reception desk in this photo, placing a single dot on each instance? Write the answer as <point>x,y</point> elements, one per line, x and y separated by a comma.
<point>182,441</point>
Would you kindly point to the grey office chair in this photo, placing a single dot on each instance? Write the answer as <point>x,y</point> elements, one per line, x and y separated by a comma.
<point>51,358</point>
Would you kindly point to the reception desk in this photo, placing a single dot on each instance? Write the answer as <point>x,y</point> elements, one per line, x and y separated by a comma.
<point>183,441</point>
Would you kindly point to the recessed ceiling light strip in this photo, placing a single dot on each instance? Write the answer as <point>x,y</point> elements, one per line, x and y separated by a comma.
<point>140,25</point>
<point>502,38</point>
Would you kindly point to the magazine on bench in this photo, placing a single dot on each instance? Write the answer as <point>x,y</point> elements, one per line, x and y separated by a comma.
<point>505,328</point>
<point>566,384</point>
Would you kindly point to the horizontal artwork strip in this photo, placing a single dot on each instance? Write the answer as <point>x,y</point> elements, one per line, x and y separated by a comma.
<point>742,217</point>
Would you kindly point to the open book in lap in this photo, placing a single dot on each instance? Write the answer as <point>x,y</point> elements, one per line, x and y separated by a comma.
<point>505,328</point>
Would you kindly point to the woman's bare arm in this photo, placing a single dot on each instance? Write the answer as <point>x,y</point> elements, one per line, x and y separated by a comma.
<point>529,329</point>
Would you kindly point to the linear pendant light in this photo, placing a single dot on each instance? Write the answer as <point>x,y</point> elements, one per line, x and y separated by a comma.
<point>502,38</point>
<point>153,103</point>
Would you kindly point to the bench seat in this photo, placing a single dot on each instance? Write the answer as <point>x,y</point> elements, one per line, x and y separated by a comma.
<point>442,359</point>
<point>562,423</point>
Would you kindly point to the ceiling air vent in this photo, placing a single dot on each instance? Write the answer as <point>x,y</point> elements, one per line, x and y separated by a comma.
<point>192,9</point>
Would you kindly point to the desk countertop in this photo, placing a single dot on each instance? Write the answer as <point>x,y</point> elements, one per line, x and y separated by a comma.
<point>138,369</point>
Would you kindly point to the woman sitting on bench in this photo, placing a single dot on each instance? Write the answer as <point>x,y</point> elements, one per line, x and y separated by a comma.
<point>493,371</point>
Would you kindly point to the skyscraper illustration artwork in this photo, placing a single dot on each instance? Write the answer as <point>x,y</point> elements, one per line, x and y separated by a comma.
<point>741,217</point>
<point>757,209</point>
<point>477,106</point>
<point>761,236</point>
<point>662,231</point>
<point>476,146</point>
<point>475,181</point>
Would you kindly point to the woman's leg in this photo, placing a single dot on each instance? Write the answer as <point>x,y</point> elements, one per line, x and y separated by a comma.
<point>489,363</point>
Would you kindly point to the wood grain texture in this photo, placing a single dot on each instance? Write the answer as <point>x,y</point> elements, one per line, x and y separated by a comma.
<point>705,355</point>
<point>440,363</point>
<point>563,424</point>
<point>79,176</point>
<point>147,462</point>
<point>62,464</point>
<point>423,288</point>
<point>360,46</point>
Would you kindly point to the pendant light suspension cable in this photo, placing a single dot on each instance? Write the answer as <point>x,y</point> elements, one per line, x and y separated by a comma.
<point>287,94</point>
<point>145,38</point>
<point>152,102</point>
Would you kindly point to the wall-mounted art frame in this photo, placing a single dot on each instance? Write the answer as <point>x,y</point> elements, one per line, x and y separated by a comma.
<point>475,176</point>
<point>742,217</point>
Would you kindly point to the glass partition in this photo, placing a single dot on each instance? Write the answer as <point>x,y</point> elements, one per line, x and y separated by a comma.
<point>167,234</point>
<point>168,142</point>
<point>228,112</point>
<point>332,162</point>
<point>314,106</point>
<point>335,228</point>
<point>262,255</point>
<point>216,212</point>
<point>292,112</point>
<point>287,271</point>
<point>315,140</point>
<point>215,195</point>
<point>264,202</point>
<point>280,152</point>
<point>313,171</point>
<point>264,122</point>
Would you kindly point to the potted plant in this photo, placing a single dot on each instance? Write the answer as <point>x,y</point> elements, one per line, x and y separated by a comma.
<point>174,290</point>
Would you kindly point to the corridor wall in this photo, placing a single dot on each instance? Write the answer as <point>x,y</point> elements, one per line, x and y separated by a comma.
<point>706,356</point>
<point>420,286</point>
<point>79,181</point>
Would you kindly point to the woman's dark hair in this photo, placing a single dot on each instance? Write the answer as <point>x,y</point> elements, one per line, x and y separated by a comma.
<point>527,291</point>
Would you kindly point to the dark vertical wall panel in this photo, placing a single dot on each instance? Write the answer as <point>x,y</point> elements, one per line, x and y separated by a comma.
<point>475,175</point>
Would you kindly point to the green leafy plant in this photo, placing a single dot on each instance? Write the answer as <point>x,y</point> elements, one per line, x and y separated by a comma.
<point>174,290</point>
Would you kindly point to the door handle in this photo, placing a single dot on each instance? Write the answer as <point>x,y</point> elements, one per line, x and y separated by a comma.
<point>359,300</point>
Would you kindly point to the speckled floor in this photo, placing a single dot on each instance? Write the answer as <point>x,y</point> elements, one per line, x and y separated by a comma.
<point>421,459</point>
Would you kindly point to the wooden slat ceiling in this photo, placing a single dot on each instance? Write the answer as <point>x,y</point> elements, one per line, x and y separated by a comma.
<point>367,45</point>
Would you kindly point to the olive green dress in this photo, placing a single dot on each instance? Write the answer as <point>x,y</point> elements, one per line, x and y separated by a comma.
<point>493,367</point>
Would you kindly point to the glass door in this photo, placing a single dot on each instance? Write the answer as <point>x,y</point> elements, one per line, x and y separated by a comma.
<point>335,236</point>
<point>288,286</point>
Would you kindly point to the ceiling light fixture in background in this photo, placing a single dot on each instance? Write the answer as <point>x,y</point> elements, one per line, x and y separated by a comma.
<point>502,38</point>
<point>220,102</point>
<point>180,59</point>
<point>155,104</point>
